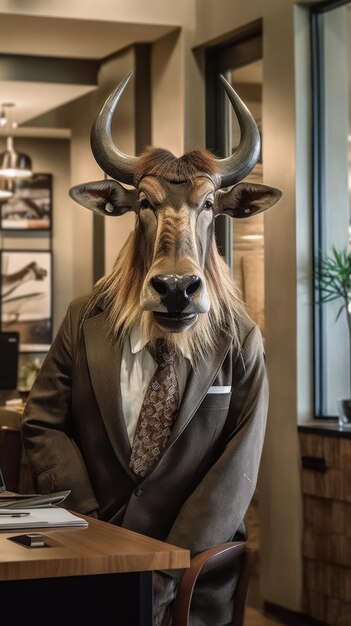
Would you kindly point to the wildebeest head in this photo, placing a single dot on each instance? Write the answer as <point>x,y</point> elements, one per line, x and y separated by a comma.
<point>169,276</point>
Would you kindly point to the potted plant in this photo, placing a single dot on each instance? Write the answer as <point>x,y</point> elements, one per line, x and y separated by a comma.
<point>333,280</point>
<point>28,373</point>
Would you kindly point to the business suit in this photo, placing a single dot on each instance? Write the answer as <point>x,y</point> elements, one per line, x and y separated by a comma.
<point>197,494</point>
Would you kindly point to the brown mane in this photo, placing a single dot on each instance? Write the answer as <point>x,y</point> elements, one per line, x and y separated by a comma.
<point>163,164</point>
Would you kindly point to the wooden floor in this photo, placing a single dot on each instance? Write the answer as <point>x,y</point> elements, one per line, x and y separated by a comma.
<point>255,618</point>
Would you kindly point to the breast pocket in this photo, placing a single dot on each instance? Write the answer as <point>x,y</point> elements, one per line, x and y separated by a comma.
<point>217,398</point>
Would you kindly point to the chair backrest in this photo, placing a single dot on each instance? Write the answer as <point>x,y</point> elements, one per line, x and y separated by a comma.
<point>10,457</point>
<point>227,554</point>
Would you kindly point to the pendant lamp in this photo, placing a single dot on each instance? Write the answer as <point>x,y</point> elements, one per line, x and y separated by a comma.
<point>6,188</point>
<point>3,116</point>
<point>14,164</point>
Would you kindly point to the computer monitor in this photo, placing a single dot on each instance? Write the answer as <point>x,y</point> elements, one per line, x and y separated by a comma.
<point>9,349</point>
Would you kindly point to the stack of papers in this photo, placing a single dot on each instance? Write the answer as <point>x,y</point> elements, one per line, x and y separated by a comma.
<point>51,517</point>
<point>36,511</point>
<point>17,500</point>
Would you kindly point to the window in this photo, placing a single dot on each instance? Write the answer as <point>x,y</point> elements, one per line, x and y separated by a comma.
<point>331,64</point>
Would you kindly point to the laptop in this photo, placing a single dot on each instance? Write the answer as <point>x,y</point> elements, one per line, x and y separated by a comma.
<point>9,351</point>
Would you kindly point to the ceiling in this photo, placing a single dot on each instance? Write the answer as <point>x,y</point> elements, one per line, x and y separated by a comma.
<point>59,51</point>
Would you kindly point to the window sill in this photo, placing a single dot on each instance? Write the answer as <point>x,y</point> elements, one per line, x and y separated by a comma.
<point>325,427</point>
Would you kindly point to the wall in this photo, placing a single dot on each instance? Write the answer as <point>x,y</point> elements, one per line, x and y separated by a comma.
<point>168,94</point>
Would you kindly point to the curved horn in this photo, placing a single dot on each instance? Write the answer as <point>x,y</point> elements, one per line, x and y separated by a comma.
<point>235,167</point>
<point>116,164</point>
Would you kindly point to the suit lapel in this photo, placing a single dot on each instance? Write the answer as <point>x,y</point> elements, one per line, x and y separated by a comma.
<point>104,362</point>
<point>200,379</point>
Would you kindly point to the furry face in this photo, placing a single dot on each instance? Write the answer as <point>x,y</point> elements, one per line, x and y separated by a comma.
<point>169,277</point>
<point>177,225</point>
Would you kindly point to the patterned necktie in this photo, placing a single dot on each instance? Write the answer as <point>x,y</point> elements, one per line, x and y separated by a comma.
<point>157,412</point>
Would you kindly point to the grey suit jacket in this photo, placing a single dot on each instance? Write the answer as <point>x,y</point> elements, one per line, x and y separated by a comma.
<point>75,437</point>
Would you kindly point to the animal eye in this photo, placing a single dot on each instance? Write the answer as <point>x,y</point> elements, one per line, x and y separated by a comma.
<point>145,204</point>
<point>208,205</point>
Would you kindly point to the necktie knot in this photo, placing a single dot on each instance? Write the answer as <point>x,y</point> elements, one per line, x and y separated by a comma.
<point>163,352</point>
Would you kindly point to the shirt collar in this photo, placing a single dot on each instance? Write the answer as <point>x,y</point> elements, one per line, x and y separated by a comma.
<point>138,342</point>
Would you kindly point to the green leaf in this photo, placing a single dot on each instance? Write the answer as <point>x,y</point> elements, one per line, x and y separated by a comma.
<point>333,279</point>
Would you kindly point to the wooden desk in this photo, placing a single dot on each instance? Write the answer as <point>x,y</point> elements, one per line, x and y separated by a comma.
<point>96,575</point>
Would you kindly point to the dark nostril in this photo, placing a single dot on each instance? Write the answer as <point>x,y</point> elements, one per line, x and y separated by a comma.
<point>159,285</point>
<point>176,287</point>
<point>193,286</point>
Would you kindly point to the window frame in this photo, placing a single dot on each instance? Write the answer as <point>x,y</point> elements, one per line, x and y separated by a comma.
<point>317,13</point>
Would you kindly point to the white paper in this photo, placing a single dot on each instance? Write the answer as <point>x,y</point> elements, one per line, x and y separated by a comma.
<point>41,518</point>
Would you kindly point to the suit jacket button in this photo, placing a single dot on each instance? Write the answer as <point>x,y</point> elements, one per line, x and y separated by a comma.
<point>138,491</point>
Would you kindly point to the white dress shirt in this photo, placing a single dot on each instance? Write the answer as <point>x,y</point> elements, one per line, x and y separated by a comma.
<point>137,369</point>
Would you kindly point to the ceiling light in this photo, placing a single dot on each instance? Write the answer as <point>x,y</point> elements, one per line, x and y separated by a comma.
<point>6,188</point>
<point>252,237</point>
<point>3,117</point>
<point>14,164</point>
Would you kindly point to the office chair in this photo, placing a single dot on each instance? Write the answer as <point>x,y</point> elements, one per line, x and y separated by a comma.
<point>226,554</point>
<point>10,457</point>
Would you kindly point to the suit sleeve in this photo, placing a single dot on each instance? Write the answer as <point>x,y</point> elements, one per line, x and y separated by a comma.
<point>216,508</point>
<point>53,457</point>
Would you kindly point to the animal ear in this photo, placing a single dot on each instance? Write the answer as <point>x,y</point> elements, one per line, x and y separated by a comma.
<point>106,197</point>
<point>246,199</point>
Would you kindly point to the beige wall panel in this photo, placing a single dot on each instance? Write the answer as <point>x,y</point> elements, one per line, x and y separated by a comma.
<point>83,169</point>
<point>167,79</point>
<point>281,504</point>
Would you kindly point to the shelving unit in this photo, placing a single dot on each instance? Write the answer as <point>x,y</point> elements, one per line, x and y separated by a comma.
<point>326,488</point>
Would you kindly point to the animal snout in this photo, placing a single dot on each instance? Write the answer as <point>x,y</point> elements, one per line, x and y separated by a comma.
<point>176,291</point>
